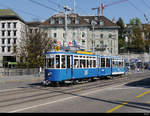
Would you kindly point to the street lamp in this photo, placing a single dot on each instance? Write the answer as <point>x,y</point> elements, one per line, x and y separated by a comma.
<point>66,9</point>
<point>126,40</point>
<point>93,23</point>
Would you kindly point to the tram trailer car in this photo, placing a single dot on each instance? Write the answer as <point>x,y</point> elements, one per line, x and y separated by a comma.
<point>64,66</point>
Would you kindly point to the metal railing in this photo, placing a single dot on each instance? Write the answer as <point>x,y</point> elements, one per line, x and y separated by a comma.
<point>7,72</point>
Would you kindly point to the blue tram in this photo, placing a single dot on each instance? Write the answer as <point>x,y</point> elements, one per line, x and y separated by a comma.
<point>63,66</point>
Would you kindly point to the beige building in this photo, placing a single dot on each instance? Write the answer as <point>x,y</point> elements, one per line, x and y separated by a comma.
<point>83,30</point>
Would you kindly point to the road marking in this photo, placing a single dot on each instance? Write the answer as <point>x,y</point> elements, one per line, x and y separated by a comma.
<point>148,102</point>
<point>5,90</point>
<point>117,107</point>
<point>143,94</point>
<point>35,106</point>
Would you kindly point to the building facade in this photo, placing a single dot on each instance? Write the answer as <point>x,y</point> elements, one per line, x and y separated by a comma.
<point>89,32</point>
<point>12,29</point>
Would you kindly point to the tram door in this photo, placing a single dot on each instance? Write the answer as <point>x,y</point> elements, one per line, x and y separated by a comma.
<point>69,66</point>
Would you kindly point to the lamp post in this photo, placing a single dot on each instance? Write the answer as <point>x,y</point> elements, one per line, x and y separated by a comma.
<point>126,40</point>
<point>66,9</point>
<point>93,23</point>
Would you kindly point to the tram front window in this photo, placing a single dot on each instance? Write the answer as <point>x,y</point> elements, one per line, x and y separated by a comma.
<point>50,63</point>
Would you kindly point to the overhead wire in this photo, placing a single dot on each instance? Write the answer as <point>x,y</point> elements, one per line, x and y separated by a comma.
<point>33,1</point>
<point>143,1</point>
<point>139,10</point>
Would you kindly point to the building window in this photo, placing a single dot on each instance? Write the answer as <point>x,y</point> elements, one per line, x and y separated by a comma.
<point>68,21</point>
<point>76,21</point>
<point>3,25</point>
<point>35,30</point>
<point>60,21</point>
<point>83,34</point>
<point>101,43</point>
<point>9,32</point>
<point>63,35</point>
<point>8,25</point>
<point>83,42</point>
<point>3,48</point>
<point>15,33</point>
<point>15,25</point>
<point>101,23</point>
<point>110,35</point>
<point>3,33</point>
<point>15,39</point>
<point>101,35</point>
<point>55,35</point>
<point>30,30</point>
<point>52,21</point>
<point>8,48</point>
<point>8,41</point>
<point>3,40</point>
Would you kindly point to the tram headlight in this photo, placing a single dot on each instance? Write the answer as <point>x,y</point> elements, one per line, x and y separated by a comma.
<point>49,73</point>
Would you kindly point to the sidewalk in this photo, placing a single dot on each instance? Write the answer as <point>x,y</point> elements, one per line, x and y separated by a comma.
<point>21,78</point>
<point>135,71</point>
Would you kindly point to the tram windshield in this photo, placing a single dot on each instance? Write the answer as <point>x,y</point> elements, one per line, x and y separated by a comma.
<point>58,61</point>
<point>50,61</point>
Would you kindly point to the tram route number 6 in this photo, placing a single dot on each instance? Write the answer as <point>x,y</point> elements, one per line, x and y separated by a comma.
<point>57,48</point>
<point>86,72</point>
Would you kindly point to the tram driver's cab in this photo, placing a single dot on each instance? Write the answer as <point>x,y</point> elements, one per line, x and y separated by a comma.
<point>57,67</point>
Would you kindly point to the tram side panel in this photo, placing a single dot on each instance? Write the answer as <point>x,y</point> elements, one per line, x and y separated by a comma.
<point>84,66</point>
<point>104,67</point>
<point>118,67</point>
<point>84,73</point>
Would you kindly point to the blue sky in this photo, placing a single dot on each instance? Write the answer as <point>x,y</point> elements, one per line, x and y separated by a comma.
<point>126,10</point>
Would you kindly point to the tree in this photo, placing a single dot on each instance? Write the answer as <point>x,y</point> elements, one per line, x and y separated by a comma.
<point>121,40</point>
<point>32,48</point>
<point>137,43</point>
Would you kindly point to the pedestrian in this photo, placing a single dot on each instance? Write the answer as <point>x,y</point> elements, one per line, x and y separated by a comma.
<point>40,70</point>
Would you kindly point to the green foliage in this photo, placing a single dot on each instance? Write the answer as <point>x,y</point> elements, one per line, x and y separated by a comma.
<point>121,40</point>
<point>135,21</point>
<point>32,49</point>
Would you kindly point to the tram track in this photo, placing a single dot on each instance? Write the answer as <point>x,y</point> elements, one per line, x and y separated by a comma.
<point>84,85</point>
<point>51,92</point>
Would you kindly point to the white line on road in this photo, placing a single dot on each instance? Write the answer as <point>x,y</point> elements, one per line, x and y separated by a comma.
<point>5,90</point>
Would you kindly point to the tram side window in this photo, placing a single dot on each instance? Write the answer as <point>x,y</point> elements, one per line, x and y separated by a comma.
<point>82,63</point>
<point>63,61</point>
<point>57,61</point>
<point>91,64</point>
<point>68,62</point>
<point>102,62</point>
<point>94,63</point>
<point>113,63</point>
<point>107,62</point>
<point>120,64</point>
<point>88,63</point>
<point>76,63</point>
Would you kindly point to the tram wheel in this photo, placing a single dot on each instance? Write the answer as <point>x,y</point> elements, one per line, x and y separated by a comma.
<point>74,82</point>
<point>57,84</point>
<point>92,79</point>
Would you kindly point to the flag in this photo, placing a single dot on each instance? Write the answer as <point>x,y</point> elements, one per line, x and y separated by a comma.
<point>74,43</point>
<point>69,43</point>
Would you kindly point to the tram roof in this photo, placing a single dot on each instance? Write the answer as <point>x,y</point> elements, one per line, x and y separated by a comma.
<point>69,53</point>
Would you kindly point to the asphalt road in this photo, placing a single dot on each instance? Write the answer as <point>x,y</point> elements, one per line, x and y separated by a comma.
<point>129,94</point>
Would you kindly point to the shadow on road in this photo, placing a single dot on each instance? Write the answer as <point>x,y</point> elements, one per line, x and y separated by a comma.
<point>145,83</point>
